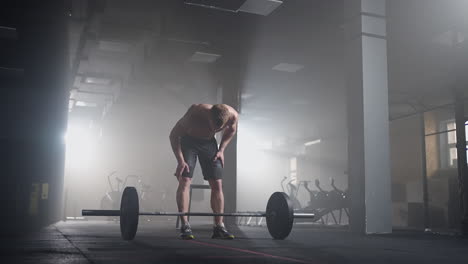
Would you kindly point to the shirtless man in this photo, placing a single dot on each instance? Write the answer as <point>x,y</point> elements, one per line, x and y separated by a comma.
<point>192,136</point>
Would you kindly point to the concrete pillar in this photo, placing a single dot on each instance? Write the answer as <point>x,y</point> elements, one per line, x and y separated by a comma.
<point>34,106</point>
<point>461,116</point>
<point>368,123</point>
<point>230,95</point>
<point>460,119</point>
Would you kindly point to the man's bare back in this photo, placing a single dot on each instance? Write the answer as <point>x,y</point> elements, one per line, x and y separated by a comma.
<point>200,122</point>
<point>197,121</point>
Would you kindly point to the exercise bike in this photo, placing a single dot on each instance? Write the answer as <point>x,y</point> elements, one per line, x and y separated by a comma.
<point>292,191</point>
<point>111,199</point>
<point>321,203</point>
<point>341,200</point>
<point>144,191</point>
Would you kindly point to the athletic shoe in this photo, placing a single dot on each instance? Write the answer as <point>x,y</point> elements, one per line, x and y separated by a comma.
<point>186,232</point>
<point>220,232</point>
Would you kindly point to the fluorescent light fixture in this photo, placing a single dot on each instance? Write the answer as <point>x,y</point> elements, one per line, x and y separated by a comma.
<point>288,67</point>
<point>260,7</point>
<point>85,104</point>
<point>204,57</point>
<point>97,81</point>
<point>76,218</point>
<point>313,142</point>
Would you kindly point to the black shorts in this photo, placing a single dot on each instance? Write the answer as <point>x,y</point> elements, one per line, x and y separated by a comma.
<point>206,150</point>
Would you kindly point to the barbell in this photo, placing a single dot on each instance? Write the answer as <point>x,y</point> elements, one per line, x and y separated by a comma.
<point>279,214</point>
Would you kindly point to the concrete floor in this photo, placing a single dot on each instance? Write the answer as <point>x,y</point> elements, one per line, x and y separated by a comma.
<point>157,242</point>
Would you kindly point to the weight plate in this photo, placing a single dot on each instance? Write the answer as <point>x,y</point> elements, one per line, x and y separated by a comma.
<point>279,215</point>
<point>129,212</point>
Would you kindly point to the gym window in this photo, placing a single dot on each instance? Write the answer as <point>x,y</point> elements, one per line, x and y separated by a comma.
<point>451,141</point>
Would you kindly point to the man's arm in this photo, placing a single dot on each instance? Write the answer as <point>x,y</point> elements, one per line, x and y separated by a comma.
<point>228,134</point>
<point>178,131</point>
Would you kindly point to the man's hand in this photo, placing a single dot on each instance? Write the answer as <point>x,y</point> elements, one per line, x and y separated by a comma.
<point>220,156</point>
<point>181,168</point>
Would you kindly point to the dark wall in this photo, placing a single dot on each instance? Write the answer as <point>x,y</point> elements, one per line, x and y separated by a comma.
<point>34,112</point>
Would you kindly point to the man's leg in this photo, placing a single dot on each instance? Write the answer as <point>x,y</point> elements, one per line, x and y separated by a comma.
<point>217,204</point>
<point>213,173</point>
<point>217,199</point>
<point>183,197</point>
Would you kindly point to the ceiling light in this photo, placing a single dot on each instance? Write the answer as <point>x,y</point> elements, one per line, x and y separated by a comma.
<point>204,57</point>
<point>85,104</point>
<point>288,67</point>
<point>97,81</point>
<point>313,142</point>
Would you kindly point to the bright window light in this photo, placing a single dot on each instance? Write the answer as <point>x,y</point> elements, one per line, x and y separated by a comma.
<point>293,164</point>
<point>81,144</point>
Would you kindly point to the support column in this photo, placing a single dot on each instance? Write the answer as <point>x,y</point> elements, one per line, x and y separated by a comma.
<point>34,106</point>
<point>461,158</point>
<point>368,123</point>
<point>231,82</point>
<point>424,172</point>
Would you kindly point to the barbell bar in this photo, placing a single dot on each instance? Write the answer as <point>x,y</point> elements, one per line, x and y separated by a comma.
<point>87,212</point>
<point>279,214</point>
<point>117,213</point>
